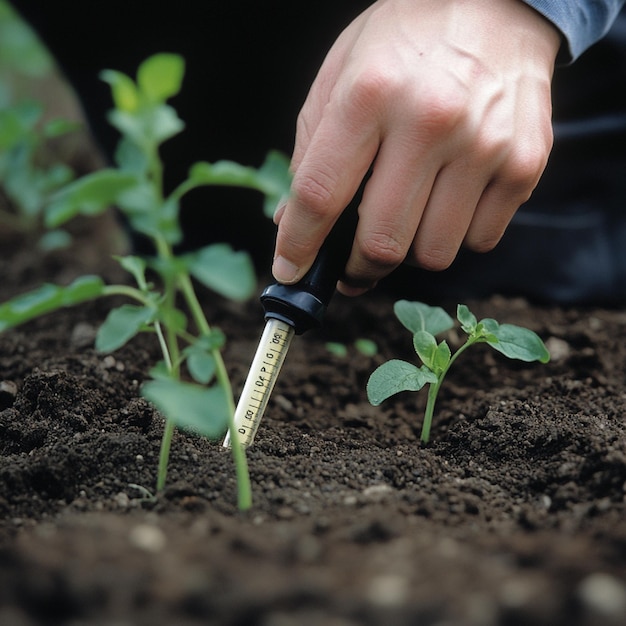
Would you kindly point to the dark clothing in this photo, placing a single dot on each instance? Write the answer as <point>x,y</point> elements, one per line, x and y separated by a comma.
<point>248,69</point>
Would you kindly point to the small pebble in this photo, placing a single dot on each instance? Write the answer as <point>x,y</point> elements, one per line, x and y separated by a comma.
<point>283,403</point>
<point>122,500</point>
<point>559,349</point>
<point>109,362</point>
<point>285,513</point>
<point>376,493</point>
<point>603,595</point>
<point>148,538</point>
<point>388,590</point>
<point>83,335</point>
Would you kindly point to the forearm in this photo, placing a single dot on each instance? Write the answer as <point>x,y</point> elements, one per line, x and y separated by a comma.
<point>581,22</point>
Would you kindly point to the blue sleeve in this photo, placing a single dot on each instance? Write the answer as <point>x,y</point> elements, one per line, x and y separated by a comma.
<point>581,22</point>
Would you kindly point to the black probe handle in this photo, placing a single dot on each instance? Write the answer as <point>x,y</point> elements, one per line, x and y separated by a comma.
<point>304,304</point>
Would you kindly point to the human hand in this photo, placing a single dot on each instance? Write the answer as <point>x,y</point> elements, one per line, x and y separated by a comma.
<point>451,103</point>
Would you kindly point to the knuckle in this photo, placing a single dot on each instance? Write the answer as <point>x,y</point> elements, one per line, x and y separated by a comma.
<point>441,111</point>
<point>482,243</point>
<point>315,190</point>
<point>371,89</point>
<point>526,165</point>
<point>383,250</point>
<point>433,258</point>
<point>293,244</point>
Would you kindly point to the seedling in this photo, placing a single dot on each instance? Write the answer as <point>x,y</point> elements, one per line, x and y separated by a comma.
<point>29,174</point>
<point>365,347</point>
<point>190,386</point>
<point>425,322</point>
<point>30,171</point>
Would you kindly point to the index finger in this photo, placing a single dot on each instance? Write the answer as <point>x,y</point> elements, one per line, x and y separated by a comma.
<point>329,174</point>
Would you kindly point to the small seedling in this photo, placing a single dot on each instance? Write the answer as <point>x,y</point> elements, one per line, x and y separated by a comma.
<point>30,171</point>
<point>29,174</point>
<point>190,386</point>
<point>425,322</point>
<point>366,347</point>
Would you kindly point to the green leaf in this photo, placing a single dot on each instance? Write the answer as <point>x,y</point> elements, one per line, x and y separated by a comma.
<point>148,126</point>
<point>160,370</point>
<point>488,325</point>
<point>219,267</point>
<point>519,343</point>
<point>162,123</point>
<point>337,349</point>
<point>167,221</point>
<point>48,298</point>
<point>227,173</point>
<point>200,360</point>
<point>466,318</point>
<point>82,289</point>
<point>121,325</point>
<point>484,330</point>
<point>147,214</point>
<point>426,346</point>
<point>136,266</point>
<point>174,319</point>
<point>395,376</point>
<point>442,357</point>
<point>366,347</point>
<point>416,316</point>
<point>130,158</point>
<point>190,406</point>
<point>54,240</point>
<point>275,178</point>
<point>160,76</point>
<point>215,340</point>
<point>272,179</point>
<point>54,177</point>
<point>201,365</point>
<point>123,89</point>
<point>89,195</point>
<point>58,127</point>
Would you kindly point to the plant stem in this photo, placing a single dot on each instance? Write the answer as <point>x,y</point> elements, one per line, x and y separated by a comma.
<point>171,354</point>
<point>244,490</point>
<point>164,454</point>
<point>129,292</point>
<point>433,391</point>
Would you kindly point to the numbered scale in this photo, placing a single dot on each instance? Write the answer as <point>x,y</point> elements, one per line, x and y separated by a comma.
<point>292,310</point>
<point>264,371</point>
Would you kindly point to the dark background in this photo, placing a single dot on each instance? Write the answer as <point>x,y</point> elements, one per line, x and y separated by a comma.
<point>248,69</point>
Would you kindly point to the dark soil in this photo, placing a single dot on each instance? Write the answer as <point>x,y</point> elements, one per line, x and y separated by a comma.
<point>514,514</point>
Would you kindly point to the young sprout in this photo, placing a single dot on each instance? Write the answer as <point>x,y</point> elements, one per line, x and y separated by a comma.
<point>190,385</point>
<point>425,322</point>
<point>365,347</point>
<point>29,172</point>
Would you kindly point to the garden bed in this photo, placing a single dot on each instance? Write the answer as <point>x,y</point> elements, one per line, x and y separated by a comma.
<point>514,514</point>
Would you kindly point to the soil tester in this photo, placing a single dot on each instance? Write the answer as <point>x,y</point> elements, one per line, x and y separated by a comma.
<point>292,310</point>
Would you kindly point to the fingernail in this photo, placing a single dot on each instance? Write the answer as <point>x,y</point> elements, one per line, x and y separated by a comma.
<point>284,271</point>
<point>280,209</point>
<point>279,213</point>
